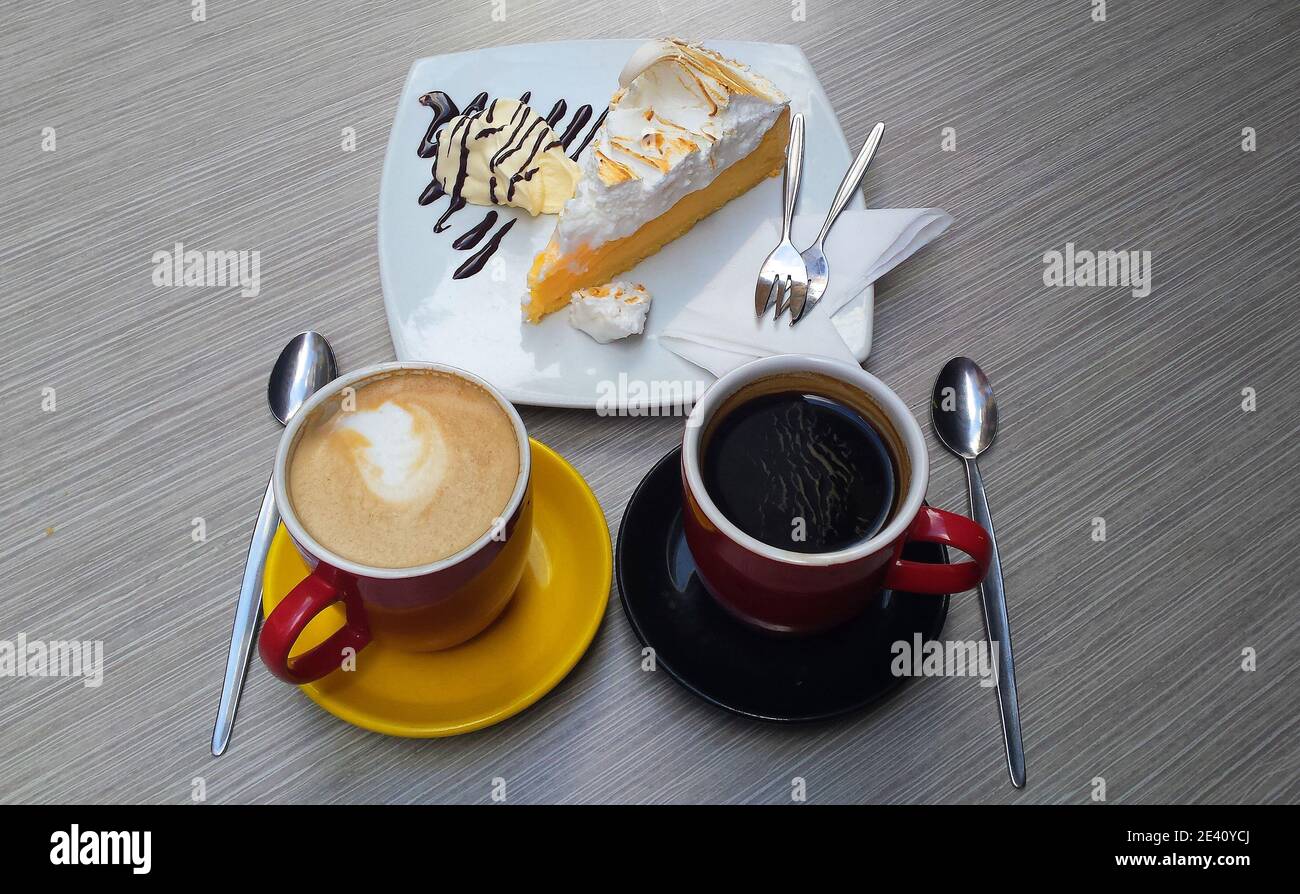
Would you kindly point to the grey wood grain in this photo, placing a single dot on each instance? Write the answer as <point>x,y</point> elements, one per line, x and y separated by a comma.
<point>1124,134</point>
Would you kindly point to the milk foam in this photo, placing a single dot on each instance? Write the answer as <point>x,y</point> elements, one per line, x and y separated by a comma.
<point>403,456</point>
<point>414,469</point>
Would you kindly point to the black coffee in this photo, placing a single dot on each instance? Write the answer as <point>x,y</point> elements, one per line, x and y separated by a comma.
<point>800,472</point>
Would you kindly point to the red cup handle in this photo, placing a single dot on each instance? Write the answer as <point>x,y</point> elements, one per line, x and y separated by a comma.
<point>315,593</point>
<point>938,526</point>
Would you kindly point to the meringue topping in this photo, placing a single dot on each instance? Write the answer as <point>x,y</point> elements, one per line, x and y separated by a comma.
<point>614,310</point>
<point>736,77</point>
<point>682,115</point>
<point>672,101</point>
<point>505,154</point>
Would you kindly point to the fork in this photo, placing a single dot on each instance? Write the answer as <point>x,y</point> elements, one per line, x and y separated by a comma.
<point>814,256</point>
<point>783,276</point>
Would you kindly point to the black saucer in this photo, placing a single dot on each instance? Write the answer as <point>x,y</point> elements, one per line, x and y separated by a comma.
<point>726,662</point>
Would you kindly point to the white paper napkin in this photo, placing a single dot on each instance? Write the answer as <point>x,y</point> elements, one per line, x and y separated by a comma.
<point>719,331</point>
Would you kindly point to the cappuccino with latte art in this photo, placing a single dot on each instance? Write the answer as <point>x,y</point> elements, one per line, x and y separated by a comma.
<point>407,469</point>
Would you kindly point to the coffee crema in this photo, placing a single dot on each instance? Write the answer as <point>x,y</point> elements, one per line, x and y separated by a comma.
<point>407,469</point>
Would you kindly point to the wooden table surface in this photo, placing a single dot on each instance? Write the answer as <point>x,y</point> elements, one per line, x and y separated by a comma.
<point>1125,134</point>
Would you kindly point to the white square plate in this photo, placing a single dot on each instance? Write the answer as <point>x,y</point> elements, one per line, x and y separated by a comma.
<point>475,323</point>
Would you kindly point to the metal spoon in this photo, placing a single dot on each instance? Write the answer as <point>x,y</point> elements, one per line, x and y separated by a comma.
<point>304,366</point>
<point>966,421</point>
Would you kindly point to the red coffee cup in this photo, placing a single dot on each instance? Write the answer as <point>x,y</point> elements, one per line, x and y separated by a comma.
<point>419,609</point>
<point>790,592</point>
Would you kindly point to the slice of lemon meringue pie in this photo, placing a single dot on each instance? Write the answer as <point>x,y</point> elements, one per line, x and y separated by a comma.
<point>688,131</point>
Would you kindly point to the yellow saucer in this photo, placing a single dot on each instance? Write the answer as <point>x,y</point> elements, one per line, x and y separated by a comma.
<point>527,651</point>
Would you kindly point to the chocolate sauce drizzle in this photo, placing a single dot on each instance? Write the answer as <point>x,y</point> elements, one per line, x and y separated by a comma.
<point>471,237</point>
<point>444,109</point>
<point>580,117</point>
<point>480,257</point>
<point>432,193</point>
<point>457,202</point>
<point>591,133</point>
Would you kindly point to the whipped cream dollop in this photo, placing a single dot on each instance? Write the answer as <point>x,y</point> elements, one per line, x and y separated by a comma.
<point>505,154</point>
<point>398,450</point>
<point>682,115</point>
<point>614,310</point>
